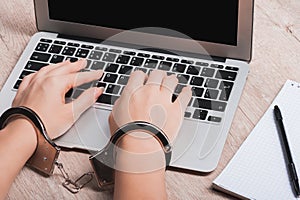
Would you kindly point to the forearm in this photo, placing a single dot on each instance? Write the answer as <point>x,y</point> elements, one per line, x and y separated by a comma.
<point>17,144</point>
<point>140,170</point>
<point>140,186</point>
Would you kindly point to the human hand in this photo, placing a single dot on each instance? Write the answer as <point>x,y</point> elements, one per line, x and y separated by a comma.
<point>44,92</point>
<point>150,99</point>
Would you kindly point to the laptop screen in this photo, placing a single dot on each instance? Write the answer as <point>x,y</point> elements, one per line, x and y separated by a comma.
<point>211,21</point>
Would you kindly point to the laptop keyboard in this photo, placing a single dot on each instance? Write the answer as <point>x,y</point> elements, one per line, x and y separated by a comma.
<point>211,82</point>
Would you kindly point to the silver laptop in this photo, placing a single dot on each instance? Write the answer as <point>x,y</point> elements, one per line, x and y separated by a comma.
<point>207,45</point>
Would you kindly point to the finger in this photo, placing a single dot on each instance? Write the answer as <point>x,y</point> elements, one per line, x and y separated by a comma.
<point>184,97</point>
<point>156,77</point>
<point>169,84</point>
<point>136,80</point>
<point>68,68</point>
<point>77,79</point>
<point>84,101</point>
<point>25,82</point>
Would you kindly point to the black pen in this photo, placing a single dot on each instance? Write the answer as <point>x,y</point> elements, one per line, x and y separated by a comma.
<point>287,151</point>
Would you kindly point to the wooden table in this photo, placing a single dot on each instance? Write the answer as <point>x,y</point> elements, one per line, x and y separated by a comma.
<point>276,58</point>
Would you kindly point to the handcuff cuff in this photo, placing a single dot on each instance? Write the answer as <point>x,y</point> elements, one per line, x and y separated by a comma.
<point>45,156</point>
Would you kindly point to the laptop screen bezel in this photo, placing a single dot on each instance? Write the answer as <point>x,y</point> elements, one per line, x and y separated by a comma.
<point>242,51</point>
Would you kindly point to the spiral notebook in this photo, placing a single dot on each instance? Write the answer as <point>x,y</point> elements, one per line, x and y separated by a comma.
<point>257,170</point>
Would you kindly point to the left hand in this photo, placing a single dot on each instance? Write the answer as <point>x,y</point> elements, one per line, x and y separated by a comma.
<point>44,92</point>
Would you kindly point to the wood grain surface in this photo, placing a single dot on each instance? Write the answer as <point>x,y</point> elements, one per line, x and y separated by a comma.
<point>276,58</point>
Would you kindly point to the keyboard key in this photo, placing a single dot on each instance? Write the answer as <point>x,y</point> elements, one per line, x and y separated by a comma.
<point>96,55</point>
<point>25,73</point>
<point>107,99</point>
<point>69,51</point>
<point>118,51</point>
<point>145,55</point>
<point>113,89</point>
<point>122,59</point>
<point>101,48</point>
<point>131,53</point>
<point>82,53</point>
<point>227,75</point>
<point>73,44</point>
<point>59,42</point>
<point>123,80</point>
<point>46,40</point>
<point>55,49</point>
<point>200,114</point>
<point>214,119</point>
<point>165,65</point>
<point>194,70</point>
<point>211,83</point>
<point>101,84</point>
<point>17,84</point>
<point>217,66</point>
<point>111,67</point>
<point>187,62</point>
<point>35,66</point>
<point>158,57</point>
<point>225,88</point>
<point>196,91</point>
<point>109,57</point>
<point>125,69</point>
<point>183,78</point>
<point>97,65</point>
<point>179,67</point>
<point>209,104</point>
<point>179,88</point>
<point>57,59</point>
<point>151,63</point>
<point>211,94</point>
<point>208,72</point>
<point>72,59</point>
<point>232,68</point>
<point>172,59</point>
<point>42,47</point>
<point>187,114</point>
<point>196,80</point>
<point>87,46</point>
<point>43,57</point>
<point>110,78</point>
<point>204,64</point>
<point>136,61</point>
<point>88,63</point>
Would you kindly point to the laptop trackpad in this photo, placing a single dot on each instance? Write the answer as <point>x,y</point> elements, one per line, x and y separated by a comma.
<point>90,132</point>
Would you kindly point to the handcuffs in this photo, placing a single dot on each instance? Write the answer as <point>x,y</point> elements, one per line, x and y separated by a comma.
<point>46,153</point>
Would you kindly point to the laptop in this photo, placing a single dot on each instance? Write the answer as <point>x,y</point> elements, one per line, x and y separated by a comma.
<point>207,46</point>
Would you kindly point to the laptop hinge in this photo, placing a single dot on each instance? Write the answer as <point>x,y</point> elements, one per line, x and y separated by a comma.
<point>83,39</point>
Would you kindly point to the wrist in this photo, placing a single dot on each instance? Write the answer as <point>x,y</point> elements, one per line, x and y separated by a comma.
<point>139,152</point>
<point>21,129</point>
<point>139,142</point>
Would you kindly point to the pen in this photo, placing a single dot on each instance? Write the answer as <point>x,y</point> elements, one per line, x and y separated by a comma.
<point>285,146</point>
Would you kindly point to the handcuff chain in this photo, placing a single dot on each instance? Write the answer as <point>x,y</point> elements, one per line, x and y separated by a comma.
<point>73,186</point>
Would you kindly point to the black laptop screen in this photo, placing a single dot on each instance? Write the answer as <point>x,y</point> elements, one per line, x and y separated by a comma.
<point>211,20</point>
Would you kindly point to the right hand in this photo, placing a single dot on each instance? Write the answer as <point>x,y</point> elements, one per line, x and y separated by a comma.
<point>150,99</point>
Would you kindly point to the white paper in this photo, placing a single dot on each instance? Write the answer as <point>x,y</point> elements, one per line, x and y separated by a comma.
<point>258,169</point>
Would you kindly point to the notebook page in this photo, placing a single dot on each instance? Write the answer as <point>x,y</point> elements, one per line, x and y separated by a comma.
<point>258,170</point>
